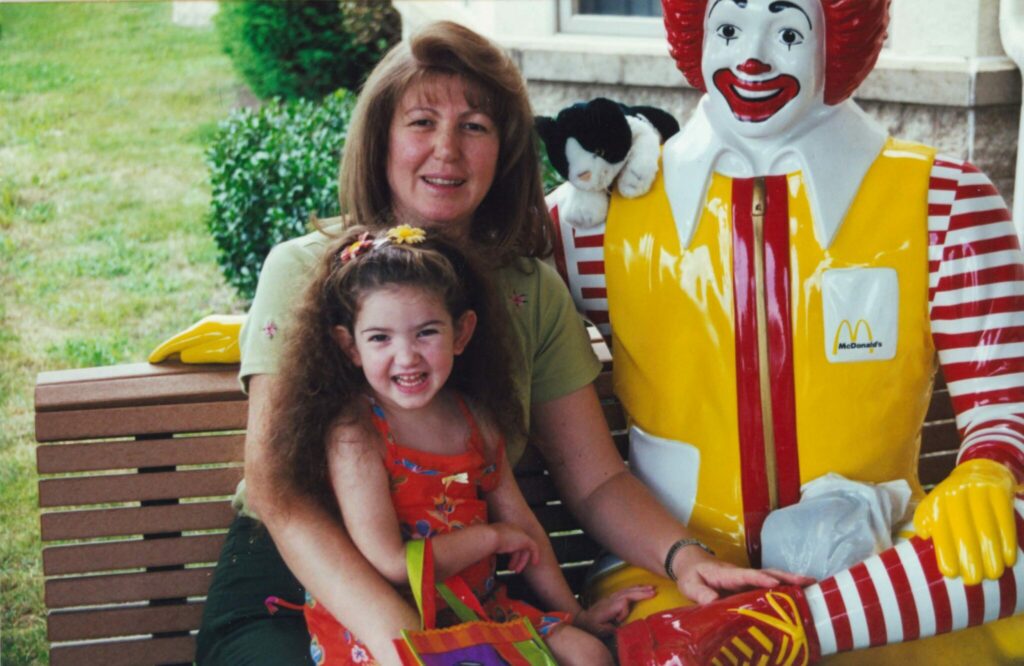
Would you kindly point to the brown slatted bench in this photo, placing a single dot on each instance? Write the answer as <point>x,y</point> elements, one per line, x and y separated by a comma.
<point>137,464</point>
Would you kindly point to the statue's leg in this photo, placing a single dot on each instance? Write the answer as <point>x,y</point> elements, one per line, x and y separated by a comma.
<point>666,596</point>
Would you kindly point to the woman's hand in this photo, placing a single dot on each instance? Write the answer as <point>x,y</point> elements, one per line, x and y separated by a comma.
<point>602,618</point>
<point>703,578</point>
<point>517,544</point>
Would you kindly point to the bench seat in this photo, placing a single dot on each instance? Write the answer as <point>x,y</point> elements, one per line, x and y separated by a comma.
<point>137,464</point>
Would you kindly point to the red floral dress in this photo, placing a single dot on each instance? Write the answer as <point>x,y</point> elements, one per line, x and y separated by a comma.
<point>432,494</point>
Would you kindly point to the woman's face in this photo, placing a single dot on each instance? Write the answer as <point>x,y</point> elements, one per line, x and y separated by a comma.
<point>442,156</point>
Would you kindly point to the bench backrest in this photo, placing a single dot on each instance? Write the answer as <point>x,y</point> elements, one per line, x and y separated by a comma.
<point>137,464</point>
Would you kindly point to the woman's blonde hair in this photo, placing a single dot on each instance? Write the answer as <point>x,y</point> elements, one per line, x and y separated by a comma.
<point>320,386</point>
<point>512,220</point>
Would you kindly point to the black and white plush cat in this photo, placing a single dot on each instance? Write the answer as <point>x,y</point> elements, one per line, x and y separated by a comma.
<point>593,144</point>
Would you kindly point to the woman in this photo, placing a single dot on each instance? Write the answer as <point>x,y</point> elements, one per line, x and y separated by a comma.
<point>441,137</point>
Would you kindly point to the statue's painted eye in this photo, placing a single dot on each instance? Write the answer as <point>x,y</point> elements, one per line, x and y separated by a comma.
<point>728,32</point>
<point>790,37</point>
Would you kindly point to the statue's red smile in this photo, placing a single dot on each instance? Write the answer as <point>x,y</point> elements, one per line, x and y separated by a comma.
<point>755,101</point>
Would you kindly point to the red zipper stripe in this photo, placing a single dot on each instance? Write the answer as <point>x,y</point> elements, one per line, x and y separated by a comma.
<point>754,482</point>
<point>780,339</point>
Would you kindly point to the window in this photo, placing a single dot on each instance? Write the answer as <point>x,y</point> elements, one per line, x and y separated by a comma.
<point>620,7</point>
<point>626,18</point>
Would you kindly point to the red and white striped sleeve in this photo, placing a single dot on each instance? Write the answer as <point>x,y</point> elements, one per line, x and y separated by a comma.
<point>976,306</point>
<point>579,258</point>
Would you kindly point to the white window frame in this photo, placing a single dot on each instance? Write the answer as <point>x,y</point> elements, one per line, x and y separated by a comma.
<point>571,21</point>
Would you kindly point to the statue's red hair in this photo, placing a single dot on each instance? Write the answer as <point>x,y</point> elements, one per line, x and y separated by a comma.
<point>854,33</point>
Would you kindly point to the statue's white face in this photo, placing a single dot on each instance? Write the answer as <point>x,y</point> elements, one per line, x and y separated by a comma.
<point>764,63</point>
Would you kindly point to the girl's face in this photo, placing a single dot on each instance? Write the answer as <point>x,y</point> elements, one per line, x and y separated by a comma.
<point>442,156</point>
<point>405,341</point>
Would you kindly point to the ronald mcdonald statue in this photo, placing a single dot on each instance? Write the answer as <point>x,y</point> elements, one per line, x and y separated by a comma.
<point>778,303</point>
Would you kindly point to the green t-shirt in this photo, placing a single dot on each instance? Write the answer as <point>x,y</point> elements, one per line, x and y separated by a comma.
<point>556,355</point>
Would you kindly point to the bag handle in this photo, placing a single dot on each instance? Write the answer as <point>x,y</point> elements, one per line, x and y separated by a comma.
<point>419,562</point>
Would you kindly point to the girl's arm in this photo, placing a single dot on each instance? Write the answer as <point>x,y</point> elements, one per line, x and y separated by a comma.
<point>316,547</point>
<point>506,503</point>
<point>362,486</point>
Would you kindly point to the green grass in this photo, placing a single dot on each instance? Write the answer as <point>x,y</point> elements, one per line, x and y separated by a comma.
<point>104,113</point>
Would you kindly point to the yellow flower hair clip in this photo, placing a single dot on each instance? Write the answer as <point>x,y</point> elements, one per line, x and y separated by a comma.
<point>406,234</point>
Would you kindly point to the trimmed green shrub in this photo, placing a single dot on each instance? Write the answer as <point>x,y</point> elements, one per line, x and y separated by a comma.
<point>551,177</point>
<point>271,170</point>
<point>306,48</point>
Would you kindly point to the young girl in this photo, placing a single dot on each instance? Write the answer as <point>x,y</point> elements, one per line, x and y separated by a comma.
<point>396,398</point>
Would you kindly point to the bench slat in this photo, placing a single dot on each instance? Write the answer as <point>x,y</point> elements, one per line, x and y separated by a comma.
<point>555,517</point>
<point>144,420</point>
<point>614,415</point>
<point>135,384</point>
<point>90,523</point>
<point>941,406</point>
<point>603,384</point>
<point>120,588</point>
<point>57,458</point>
<point>519,589</point>
<point>574,547</point>
<point>940,437</point>
<point>94,623</point>
<point>935,467</point>
<point>114,555</point>
<point>77,491</point>
<point>145,652</point>
<point>538,489</point>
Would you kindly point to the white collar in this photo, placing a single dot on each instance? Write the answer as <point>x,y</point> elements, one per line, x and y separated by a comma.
<point>833,152</point>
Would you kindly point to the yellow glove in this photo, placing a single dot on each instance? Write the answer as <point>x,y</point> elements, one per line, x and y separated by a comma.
<point>969,517</point>
<point>212,339</point>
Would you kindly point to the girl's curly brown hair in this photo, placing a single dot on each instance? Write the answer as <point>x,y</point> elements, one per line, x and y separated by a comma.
<point>319,386</point>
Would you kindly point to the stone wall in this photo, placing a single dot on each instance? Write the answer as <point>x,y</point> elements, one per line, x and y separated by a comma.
<point>943,78</point>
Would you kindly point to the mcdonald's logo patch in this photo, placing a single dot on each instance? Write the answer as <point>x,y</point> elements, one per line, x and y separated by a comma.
<point>861,314</point>
<point>858,336</point>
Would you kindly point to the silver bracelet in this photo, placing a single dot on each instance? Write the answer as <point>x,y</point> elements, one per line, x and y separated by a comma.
<point>677,546</point>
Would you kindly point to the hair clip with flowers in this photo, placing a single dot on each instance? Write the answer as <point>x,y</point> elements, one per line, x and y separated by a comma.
<point>403,234</point>
<point>362,245</point>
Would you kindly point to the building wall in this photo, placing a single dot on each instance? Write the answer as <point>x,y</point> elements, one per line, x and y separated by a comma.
<point>943,78</point>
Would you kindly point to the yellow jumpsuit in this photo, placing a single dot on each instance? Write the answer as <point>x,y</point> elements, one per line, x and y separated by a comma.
<point>735,356</point>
